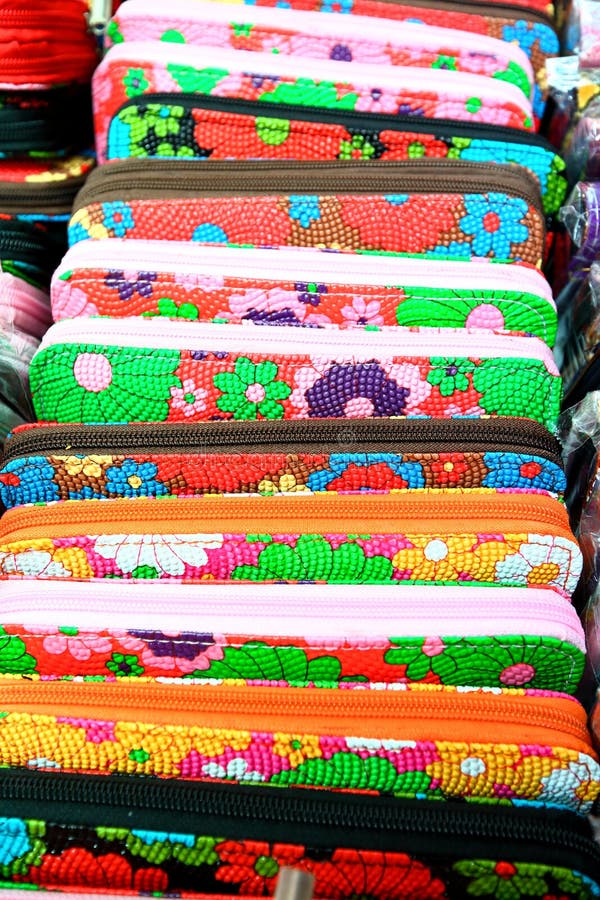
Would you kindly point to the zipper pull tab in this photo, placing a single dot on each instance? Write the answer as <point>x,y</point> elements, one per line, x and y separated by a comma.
<point>99,16</point>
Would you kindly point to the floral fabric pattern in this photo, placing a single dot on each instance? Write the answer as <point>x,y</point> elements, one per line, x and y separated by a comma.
<point>511,559</point>
<point>120,80</point>
<point>94,383</point>
<point>310,303</point>
<point>487,771</point>
<point>505,661</point>
<point>42,479</point>
<point>136,131</point>
<point>494,225</point>
<point>58,855</point>
<point>275,39</point>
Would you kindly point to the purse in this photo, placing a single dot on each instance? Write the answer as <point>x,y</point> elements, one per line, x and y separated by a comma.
<point>359,39</point>
<point>117,834</point>
<point>98,370</point>
<point>230,284</point>
<point>412,741</point>
<point>440,206</point>
<point>134,68</point>
<point>292,635</point>
<point>37,190</point>
<point>40,48</point>
<point>46,122</point>
<point>213,127</point>
<point>68,462</point>
<point>485,537</point>
<point>23,307</point>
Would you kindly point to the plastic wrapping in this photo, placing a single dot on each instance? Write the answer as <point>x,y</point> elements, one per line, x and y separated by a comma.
<point>16,352</point>
<point>580,434</point>
<point>582,34</point>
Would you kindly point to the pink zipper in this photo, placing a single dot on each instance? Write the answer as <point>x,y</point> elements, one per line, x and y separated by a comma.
<point>135,14</point>
<point>140,332</point>
<point>24,306</point>
<point>324,611</point>
<point>456,85</point>
<point>294,263</point>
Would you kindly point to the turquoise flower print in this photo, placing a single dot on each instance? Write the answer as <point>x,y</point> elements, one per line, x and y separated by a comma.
<point>14,840</point>
<point>159,837</point>
<point>337,6</point>
<point>305,209</point>
<point>27,480</point>
<point>457,249</point>
<point>118,217</point>
<point>525,34</point>
<point>396,199</point>
<point>494,221</point>
<point>132,479</point>
<point>208,233</point>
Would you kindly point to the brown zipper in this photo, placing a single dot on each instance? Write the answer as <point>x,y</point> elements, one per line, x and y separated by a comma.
<point>293,436</point>
<point>53,198</point>
<point>149,179</point>
<point>474,7</point>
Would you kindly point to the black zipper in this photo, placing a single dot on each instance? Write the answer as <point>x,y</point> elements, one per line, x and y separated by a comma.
<point>314,818</point>
<point>134,179</point>
<point>294,436</point>
<point>358,120</point>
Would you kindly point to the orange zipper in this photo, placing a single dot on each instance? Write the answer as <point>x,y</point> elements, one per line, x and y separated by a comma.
<point>426,713</point>
<point>335,514</point>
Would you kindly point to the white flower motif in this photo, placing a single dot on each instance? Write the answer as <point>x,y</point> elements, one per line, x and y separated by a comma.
<point>169,554</point>
<point>560,786</point>
<point>543,560</point>
<point>372,744</point>
<point>33,563</point>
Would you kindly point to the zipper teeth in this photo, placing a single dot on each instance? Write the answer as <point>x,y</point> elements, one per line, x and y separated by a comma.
<point>340,116</point>
<point>315,807</point>
<point>132,438</point>
<point>494,10</point>
<point>399,508</point>
<point>303,177</point>
<point>292,702</point>
<point>265,263</point>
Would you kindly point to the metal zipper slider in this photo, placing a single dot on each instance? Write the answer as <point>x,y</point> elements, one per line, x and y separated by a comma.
<point>98,16</point>
<point>294,884</point>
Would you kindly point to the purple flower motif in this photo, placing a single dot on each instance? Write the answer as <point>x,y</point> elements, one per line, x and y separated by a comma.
<point>341,52</point>
<point>186,645</point>
<point>405,109</point>
<point>127,288</point>
<point>310,292</point>
<point>356,391</point>
<point>204,354</point>
<point>274,317</point>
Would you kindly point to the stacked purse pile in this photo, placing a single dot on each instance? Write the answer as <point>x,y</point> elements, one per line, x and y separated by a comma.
<point>287,568</point>
<point>47,57</point>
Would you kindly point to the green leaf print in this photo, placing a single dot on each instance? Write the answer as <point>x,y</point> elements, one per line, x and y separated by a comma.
<point>514,74</point>
<point>306,92</point>
<point>349,770</point>
<point>196,81</point>
<point>518,387</point>
<point>313,559</point>
<point>257,661</point>
<point>14,659</point>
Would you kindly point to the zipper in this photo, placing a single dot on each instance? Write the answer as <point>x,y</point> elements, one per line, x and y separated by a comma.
<point>476,7</point>
<point>293,436</point>
<point>51,199</point>
<point>312,818</point>
<point>293,21</point>
<point>374,514</point>
<point>396,78</point>
<point>347,118</point>
<point>430,714</point>
<point>140,332</point>
<point>318,611</point>
<point>345,268</point>
<point>139,179</point>
<point>98,16</point>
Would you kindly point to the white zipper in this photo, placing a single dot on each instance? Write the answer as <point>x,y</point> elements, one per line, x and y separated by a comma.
<point>355,27</point>
<point>293,264</point>
<point>327,610</point>
<point>457,85</point>
<point>140,332</point>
